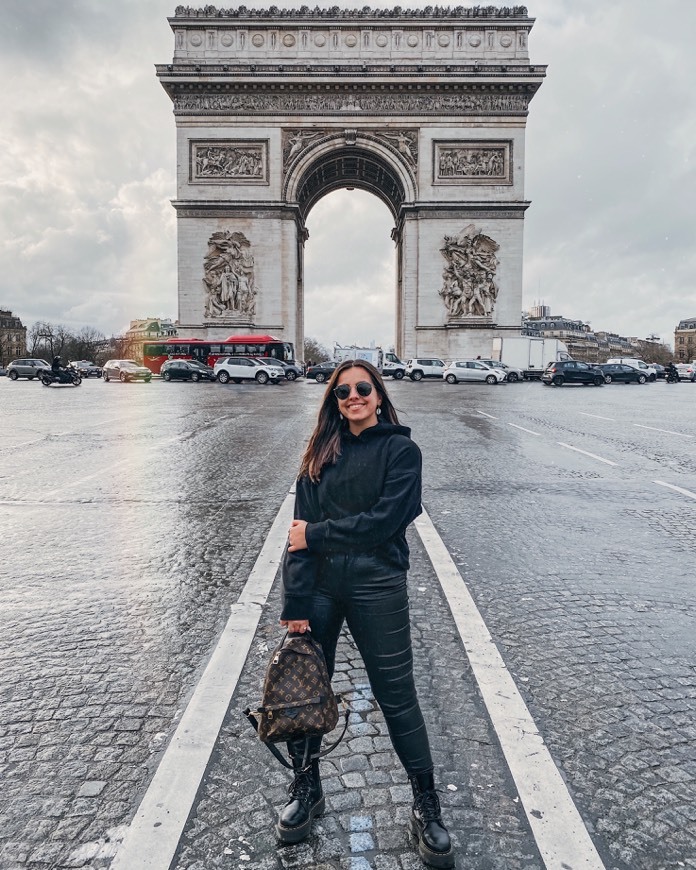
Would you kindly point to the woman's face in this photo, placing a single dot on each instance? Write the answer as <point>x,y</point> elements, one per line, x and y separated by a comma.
<point>359,411</point>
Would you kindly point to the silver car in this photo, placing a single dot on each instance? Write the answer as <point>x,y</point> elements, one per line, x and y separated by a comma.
<point>125,370</point>
<point>513,373</point>
<point>472,370</point>
<point>26,368</point>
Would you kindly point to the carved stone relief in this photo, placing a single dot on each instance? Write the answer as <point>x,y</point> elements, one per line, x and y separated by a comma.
<point>235,161</point>
<point>378,104</point>
<point>296,142</point>
<point>472,162</point>
<point>405,142</point>
<point>228,277</point>
<point>368,12</point>
<point>469,290</point>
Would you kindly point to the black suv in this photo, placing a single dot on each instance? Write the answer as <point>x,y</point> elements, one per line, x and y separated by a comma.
<point>572,372</point>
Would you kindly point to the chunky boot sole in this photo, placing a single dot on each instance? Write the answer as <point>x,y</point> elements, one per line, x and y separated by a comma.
<point>295,835</point>
<point>433,859</point>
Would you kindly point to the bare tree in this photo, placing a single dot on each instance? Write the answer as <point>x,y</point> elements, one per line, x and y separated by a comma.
<point>85,344</point>
<point>44,340</point>
<point>314,351</point>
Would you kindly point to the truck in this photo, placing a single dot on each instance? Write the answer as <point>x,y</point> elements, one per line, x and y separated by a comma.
<point>386,361</point>
<point>529,353</point>
<point>373,355</point>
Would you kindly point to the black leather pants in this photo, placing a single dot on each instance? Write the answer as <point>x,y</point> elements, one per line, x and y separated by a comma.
<point>376,612</point>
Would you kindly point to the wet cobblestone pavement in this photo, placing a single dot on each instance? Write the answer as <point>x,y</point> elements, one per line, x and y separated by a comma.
<point>368,795</point>
<point>132,515</point>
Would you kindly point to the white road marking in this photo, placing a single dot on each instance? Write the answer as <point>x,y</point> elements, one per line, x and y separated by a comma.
<point>153,836</point>
<point>586,453</point>
<point>556,824</point>
<point>524,430</point>
<point>483,414</point>
<point>675,488</point>
<point>596,416</point>
<point>666,431</point>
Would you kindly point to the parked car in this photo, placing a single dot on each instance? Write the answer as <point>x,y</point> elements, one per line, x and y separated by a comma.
<point>206,371</point>
<point>660,371</point>
<point>424,367</point>
<point>245,368</point>
<point>321,371</point>
<point>472,370</point>
<point>687,371</point>
<point>291,371</point>
<point>393,370</point>
<point>86,368</point>
<point>647,370</point>
<point>572,372</point>
<point>186,370</point>
<point>26,368</point>
<point>125,370</point>
<point>513,373</point>
<point>619,373</point>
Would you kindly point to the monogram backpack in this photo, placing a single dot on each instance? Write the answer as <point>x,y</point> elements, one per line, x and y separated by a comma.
<point>297,700</point>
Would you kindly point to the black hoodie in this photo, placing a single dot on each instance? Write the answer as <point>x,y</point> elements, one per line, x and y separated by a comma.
<point>357,514</point>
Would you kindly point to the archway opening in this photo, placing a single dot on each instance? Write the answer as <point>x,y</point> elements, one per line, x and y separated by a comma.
<point>350,167</point>
<point>354,196</point>
<point>350,271</point>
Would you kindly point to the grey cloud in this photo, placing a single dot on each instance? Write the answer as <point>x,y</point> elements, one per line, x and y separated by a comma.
<point>87,165</point>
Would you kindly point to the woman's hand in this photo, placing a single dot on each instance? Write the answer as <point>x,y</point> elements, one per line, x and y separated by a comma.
<point>296,626</point>
<point>296,536</point>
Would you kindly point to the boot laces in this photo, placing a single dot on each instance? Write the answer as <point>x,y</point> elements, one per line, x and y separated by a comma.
<point>429,806</point>
<point>301,786</point>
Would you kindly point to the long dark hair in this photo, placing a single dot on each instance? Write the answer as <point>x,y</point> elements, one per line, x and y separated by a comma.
<point>324,445</point>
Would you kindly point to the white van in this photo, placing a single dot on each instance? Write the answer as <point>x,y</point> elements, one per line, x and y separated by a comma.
<point>649,371</point>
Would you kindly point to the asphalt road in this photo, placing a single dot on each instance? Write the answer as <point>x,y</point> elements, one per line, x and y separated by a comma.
<point>132,514</point>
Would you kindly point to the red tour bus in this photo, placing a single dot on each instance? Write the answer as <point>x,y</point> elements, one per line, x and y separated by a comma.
<point>157,352</point>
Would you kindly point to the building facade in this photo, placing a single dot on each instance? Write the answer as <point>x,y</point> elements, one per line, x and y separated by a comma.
<point>149,329</point>
<point>685,340</point>
<point>582,341</point>
<point>13,337</point>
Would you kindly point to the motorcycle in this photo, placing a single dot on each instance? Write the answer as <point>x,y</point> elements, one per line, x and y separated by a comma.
<point>64,376</point>
<point>672,378</point>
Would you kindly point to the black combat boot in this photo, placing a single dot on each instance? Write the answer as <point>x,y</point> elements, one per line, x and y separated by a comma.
<point>306,796</point>
<point>425,824</point>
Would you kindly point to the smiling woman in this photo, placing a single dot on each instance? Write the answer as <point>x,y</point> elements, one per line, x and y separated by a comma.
<point>358,491</point>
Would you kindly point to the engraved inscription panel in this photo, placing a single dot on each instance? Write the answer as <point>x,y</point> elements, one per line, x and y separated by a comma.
<point>231,161</point>
<point>472,162</point>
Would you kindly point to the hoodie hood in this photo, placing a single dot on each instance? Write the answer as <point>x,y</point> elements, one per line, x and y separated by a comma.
<point>381,430</point>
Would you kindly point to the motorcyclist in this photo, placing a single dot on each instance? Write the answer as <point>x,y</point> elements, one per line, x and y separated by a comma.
<point>57,369</point>
<point>672,372</point>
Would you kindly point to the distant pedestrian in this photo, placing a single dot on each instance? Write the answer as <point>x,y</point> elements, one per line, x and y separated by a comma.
<point>358,490</point>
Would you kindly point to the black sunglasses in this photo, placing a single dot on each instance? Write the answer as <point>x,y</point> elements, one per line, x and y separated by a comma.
<point>342,391</point>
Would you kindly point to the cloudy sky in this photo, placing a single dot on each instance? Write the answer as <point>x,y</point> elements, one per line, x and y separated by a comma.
<point>87,160</point>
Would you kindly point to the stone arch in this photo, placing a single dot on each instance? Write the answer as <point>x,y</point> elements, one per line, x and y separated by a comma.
<point>342,160</point>
<point>426,109</point>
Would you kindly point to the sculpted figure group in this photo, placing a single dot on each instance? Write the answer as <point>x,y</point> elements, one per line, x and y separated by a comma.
<point>469,288</point>
<point>471,162</point>
<point>215,161</point>
<point>228,276</point>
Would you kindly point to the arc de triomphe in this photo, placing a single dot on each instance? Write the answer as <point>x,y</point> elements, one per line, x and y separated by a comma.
<point>424,108</point>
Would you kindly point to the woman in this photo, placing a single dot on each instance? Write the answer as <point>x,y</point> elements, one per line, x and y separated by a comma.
<point>358,489</point>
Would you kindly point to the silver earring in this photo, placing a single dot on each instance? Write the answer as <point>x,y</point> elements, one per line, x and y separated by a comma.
<point>379,410</point>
